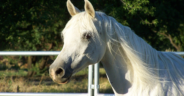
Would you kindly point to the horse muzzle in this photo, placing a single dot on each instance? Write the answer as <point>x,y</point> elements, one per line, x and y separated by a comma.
<point>58,75</point>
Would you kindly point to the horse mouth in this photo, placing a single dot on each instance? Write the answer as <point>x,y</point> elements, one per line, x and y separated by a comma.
<point>62,80</point>
<point>65,81</point>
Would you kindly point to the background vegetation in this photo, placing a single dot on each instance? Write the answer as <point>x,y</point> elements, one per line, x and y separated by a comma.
<point>35,25</point>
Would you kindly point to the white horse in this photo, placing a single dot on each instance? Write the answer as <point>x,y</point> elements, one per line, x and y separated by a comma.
<point>133,67</point>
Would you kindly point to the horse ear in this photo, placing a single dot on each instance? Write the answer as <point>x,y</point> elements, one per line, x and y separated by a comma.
<point>89,8</point>
<point>71,8</point>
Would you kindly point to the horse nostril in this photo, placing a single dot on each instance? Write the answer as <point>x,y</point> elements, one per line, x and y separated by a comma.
<point>60,72</point>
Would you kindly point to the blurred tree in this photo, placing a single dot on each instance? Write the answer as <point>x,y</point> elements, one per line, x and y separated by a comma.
<point>36,24</point>
<point>31,25</point>
<point>159,22</point>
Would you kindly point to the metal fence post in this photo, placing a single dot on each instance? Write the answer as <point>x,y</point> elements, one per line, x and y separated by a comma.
<point>96,79</point>
<point>90,80</point>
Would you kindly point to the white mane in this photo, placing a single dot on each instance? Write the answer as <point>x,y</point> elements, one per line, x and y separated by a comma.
<point>136,51</point>
<point>142,59</point>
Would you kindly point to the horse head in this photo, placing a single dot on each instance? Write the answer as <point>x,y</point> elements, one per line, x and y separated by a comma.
<point>83,45</point>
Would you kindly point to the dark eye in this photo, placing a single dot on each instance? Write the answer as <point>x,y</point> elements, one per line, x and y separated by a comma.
<point>87,36</point>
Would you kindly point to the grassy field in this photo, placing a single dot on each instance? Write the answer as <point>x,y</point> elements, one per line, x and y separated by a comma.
<point>16,81</point>
<point>13,78</point>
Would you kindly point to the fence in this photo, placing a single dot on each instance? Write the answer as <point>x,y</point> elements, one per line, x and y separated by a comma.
<point>91,86</point>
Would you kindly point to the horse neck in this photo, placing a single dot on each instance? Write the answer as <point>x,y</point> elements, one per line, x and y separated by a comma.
<point>117,71</point>
<point>124,58</point>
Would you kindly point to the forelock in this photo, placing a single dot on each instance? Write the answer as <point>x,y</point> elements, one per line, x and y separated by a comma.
<point>81,23</point>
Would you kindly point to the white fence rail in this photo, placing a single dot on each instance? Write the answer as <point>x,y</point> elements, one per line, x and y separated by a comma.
<point>28,53</point>
<point>43,94</point>
<point>91,86</point>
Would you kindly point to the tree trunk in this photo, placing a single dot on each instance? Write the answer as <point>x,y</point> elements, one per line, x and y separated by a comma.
<point>43,62</point>
<point>31,63</point>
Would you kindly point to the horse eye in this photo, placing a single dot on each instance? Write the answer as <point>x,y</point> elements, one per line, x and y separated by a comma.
<point>87,36</point>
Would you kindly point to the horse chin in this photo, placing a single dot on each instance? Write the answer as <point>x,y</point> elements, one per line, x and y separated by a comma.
<point>63,80</point>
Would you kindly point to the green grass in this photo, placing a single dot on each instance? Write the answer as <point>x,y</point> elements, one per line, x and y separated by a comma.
<point>20,72</point>
<point>13,78</point>
<point>77,84</point>
<point>82,72</point>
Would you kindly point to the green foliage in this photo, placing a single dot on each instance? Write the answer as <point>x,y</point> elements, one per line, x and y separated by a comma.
<point>36,69</point>
<point>30,25</point>
<point>7,73</point>
<point>159,22</point>
<point>36,24</point>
